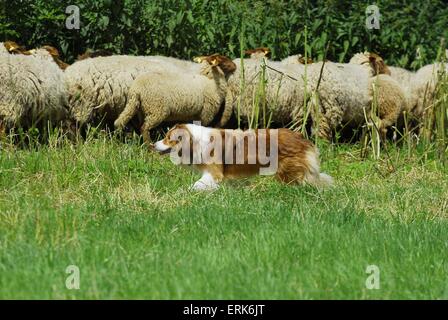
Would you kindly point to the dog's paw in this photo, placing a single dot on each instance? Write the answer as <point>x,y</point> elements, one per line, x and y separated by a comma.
<point>202,186</point>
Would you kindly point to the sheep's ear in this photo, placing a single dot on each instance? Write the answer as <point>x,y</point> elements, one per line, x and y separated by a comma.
<point>30,52</point>
<point>226,65</point>
<point>199,59</point>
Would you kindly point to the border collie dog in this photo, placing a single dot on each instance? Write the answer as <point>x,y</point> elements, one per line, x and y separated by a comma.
<point>220,154</point>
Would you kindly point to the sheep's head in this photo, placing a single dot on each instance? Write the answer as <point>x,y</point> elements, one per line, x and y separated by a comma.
<point>302,59</point>
<point>222,62</point>
<point>373,60</point>
<point>14,48</point>
<point>377,63</point>
<point>54,53</point>
<point>93,54</point>
<point>258,52</point>
<point>217,61</point>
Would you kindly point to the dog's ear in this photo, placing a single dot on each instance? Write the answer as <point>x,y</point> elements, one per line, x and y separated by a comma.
<point>378,65</point>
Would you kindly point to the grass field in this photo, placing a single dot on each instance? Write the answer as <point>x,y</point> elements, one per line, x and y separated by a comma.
<point>126,218</point>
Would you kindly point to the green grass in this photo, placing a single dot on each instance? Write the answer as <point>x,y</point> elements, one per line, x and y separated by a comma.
<point>126,218</point>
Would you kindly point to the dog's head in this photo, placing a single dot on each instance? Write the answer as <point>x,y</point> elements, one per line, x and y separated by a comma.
<point>173,139</point>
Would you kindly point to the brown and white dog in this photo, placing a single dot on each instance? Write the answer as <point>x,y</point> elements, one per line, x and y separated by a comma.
<point>230,154</point>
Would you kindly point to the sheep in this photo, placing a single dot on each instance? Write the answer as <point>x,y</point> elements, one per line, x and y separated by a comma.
<point>3,50</point>
<point>283,95</point>
<point>98,87</point>
<point>258,53</point>
<point>94,54</point>
<point>424,85</point>
<point>404,78</point>
<point>10,47</point>
<point>32,91</point>
<point>297,59</point>
<point>346,92</point>
<point>178,94</point>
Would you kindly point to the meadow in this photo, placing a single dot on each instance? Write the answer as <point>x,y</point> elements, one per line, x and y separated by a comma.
<point>127,219</point>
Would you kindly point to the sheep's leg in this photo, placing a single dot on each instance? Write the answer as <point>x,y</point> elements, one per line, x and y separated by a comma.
<point>323,129</point>
<point>206,115</point>
<point>129,111</point>
<point>151,121</point>
<point>228,110</point>
<point>2,130</point>
<point>389,117</point>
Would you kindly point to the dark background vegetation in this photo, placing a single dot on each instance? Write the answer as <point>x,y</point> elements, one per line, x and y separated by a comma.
<point>186,28</point>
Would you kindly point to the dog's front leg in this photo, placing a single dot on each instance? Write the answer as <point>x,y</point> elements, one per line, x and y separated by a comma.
<point>206,183</point>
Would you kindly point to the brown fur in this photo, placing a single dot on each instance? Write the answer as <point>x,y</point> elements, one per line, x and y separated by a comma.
<point>56,57</point>
<point>307,61</point>
<point>378,64</point>
<point>14,48</point>
<point>293,156</point>
<point>93,54</point>
<point>258,52</point>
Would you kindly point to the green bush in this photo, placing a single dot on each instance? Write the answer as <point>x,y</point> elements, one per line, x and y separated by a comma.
<point>193,27</point>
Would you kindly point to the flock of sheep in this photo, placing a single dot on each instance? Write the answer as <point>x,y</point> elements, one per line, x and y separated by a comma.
<point>36,88</point>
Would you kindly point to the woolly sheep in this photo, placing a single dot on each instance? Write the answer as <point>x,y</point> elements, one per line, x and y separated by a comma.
<point>9,47</point>
<point>296,59</point>
<point>402,76</point>
<point>424,85</point>
<point>178,94</point>
<point>283,97</point>
<point>32,91</point>
<point>98,87</point>
<point>3,50</point>
<point>346,90</point>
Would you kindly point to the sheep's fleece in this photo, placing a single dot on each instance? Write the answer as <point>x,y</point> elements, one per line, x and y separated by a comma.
<point>32,90</point>
<point>98,87</point>
<point>284,95</point>
<point>3,50</point>
<point>177,94</point>
<point>345,91</point>
<point>424,85</point>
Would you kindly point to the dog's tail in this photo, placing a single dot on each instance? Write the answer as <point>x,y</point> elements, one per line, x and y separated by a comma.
<point>314,176</point>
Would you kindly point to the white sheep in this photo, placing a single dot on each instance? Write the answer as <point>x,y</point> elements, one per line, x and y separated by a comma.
<point>32,90</point>
<point>3,50</point>
<point>424,85</point>
<point>279,87</point>
<point>178,94</point>
<point>296,59</point>
<point>345,93</point>
<point>98,87</point>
